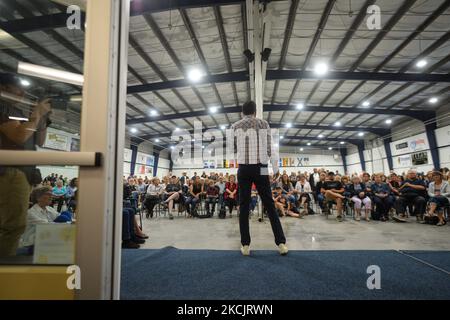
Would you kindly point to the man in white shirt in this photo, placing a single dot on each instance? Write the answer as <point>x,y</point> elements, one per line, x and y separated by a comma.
<point>40,212</point>
<point>253,168</point>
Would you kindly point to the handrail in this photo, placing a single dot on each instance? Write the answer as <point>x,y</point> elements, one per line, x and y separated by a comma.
<point>49,158</point>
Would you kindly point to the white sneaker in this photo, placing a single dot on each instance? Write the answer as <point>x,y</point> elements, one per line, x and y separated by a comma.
<point>245,250</point>
<point>283,249</point>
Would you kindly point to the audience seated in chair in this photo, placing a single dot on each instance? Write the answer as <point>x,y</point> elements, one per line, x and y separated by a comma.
<point>230,195</point>
<point>172,194</point>
<point>212,197</point>
<point>439,193</point>
<point>412,193</point>
<point>41,212</point>
<point>333,192</point>
<point>358,196</point>
<point>153,196</point>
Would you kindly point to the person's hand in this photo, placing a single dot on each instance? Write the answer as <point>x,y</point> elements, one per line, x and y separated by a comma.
<point>437,192</point>
<point>43,108</point>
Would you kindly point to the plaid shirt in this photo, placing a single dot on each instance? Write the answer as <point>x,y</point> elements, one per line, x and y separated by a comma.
<point>250,142</point>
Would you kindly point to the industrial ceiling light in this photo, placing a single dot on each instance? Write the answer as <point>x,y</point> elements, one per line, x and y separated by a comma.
<point>76,98</point>
<point>213,109</point>
<point>249,55</point>
<point>177,129</point>
<point>266,54</point>
<point>433,100</point>
<point>337,124</point>
<point>388,121</point>
<point>153,113</point>
<point>289,125</point>
<point>18,118</point>
<point>321,68</point>
<point>195,75</point>
<point>156,140</point>
<point>301,149</point>
<point>360,134</point>
<point>342,142</point>
<point>281,137</point>
<point>421,63</point>
<point>25,83</point>
<point>308,144</point>
<point>172,147</point>
<point>330,148</point>
<point>300,106</point>
<point>366,103</point>
<point>50,73</point>
<point>223,127</point>
<point>133,130</point>
<point>320,135</point>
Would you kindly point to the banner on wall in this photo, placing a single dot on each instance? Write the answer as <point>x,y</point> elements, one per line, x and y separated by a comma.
<point>141,169</point>
<point>417,144</point>
<point>127,155</point>
<point>56,141</point>
<point>404,161</point>
<point>419,158</point>
<point>294,162</point>
<point>126,168</point>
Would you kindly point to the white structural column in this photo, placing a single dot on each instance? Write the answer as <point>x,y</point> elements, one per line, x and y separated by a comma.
<point>259,18</point>
<point>102,130</point>
<point>250,32</point>
<point>257,43</point>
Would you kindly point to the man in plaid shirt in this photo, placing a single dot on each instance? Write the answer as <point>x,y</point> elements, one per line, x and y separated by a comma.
<point>254,148</point>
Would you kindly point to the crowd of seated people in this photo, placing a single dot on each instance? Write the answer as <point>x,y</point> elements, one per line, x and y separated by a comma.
<point>369,196</point>
<point>373,197</point>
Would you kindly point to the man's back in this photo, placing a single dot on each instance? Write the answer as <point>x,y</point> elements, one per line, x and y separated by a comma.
<point>252,134</point>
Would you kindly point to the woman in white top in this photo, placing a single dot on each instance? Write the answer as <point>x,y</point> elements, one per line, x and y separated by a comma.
<point>303,191</point>
<point>439,192</point>
<point>40,212</point>
<point>153,196</point>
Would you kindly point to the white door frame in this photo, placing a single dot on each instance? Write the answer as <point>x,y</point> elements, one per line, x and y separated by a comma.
<point>99,212</point>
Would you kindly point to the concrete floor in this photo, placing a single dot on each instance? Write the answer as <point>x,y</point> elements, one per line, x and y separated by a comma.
<point>310,233</point>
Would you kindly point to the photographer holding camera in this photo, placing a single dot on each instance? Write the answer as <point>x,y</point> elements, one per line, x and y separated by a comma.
<point>18,131</point>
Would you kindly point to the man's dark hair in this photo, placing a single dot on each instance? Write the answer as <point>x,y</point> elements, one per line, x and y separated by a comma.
<point>249,108</point>
<point>331,173</point>
<point>8,79</point>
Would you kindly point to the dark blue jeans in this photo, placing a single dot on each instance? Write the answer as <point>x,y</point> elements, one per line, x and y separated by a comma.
<point>320,199</point>
<point>382,206</point>
<point>128,223</point>
<point>247,175</point>
<point>440,201</point>
<point>253,203</point>
<point>191,203</point>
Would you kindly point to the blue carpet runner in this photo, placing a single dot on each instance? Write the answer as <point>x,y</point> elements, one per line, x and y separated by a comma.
<point>170,273</point>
